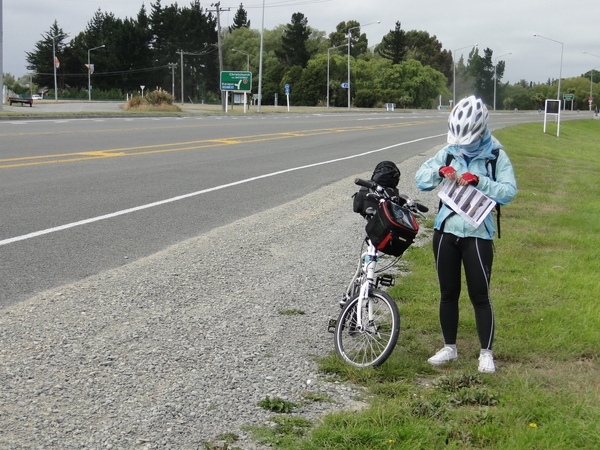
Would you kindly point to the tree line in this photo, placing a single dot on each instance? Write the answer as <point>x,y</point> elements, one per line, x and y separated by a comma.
<point>132,52</point>
<point>176,49</point>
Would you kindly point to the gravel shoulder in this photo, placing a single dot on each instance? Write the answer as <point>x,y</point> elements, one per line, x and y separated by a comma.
<point>177,349</point>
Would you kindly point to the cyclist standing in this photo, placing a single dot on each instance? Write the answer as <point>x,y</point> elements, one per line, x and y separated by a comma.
<point>457,243</point>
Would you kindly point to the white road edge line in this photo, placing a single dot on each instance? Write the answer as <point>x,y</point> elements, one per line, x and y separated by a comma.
<point>204,191</point>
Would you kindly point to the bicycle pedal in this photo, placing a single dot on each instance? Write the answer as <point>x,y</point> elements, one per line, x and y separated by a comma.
<point>331,325</point>
<point>385,280</point>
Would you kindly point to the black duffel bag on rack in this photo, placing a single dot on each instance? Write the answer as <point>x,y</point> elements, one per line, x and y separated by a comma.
<point>387,175</point>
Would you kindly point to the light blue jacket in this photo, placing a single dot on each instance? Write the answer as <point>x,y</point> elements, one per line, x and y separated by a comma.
<point>502,190</point>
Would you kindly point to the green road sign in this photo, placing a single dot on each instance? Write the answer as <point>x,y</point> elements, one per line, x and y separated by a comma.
<point>568,97</point>
<point>236,81</point>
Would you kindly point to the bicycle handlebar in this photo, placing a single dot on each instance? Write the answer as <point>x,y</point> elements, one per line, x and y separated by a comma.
<point>367,183</point>
<point>381,192</point>
<point>420,207</point>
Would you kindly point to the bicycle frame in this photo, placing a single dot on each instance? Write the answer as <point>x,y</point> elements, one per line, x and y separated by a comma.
<point>360,341</point>
<point>369,263</point>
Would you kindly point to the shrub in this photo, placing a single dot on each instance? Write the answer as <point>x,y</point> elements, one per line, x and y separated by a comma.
<point>365,98</point>
<point>158,100</point>
<point>159,97</point>
<point>134,102</point>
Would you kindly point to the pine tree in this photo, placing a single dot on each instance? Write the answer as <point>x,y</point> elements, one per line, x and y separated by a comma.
<point>426,49</point>
<point>393,45</point>
<point>240,19</point>
<point>358,42</point>
<point>481,69</point>
<point>293,42</point>
<point>40,60</point>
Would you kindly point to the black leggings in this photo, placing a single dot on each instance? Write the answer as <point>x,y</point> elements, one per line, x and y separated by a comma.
<point>476,255</point>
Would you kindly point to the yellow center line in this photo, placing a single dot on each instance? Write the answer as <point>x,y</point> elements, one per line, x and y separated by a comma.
<point>102,153</point>
<point>192,145</point>
<point>108,130</point>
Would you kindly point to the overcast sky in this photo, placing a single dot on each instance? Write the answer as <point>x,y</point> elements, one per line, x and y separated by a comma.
<point>504,26</point>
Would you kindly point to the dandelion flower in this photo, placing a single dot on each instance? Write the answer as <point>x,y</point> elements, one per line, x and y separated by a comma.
<point>533,425</point>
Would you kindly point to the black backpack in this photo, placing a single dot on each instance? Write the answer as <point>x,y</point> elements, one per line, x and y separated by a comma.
<point>385,174</point>
<point>492,164</point>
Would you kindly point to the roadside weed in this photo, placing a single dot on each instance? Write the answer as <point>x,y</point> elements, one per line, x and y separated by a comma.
<point>277,404</point>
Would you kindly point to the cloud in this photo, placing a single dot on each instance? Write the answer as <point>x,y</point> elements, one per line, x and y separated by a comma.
<point>505,27</point>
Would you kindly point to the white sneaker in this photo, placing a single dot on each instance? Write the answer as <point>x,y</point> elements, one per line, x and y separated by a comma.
<point>445,355</point>
<point>486,362</point>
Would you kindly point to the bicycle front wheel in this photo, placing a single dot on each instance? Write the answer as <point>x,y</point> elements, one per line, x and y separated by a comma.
<point>372,341</point>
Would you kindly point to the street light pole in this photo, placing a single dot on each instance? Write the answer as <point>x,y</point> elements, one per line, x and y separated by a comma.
<point>260,62</point>
<point>562,47</point>
<point>592,87</point>
<point>89,65</point>
<point>181,63</point>
<point>349,36</point>
<point>454,72</point>
<point>247,58</point>
<point>328,50</point>
<point>591,80</point>
<point>1,58</point>
<point>54,68</point>
<point>496,75</point>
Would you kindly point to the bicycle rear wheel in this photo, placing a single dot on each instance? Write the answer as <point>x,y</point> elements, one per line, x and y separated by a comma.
<point>371,342</point>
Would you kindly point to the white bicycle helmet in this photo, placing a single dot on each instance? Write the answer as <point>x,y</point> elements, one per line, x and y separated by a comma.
<point>467,121</point>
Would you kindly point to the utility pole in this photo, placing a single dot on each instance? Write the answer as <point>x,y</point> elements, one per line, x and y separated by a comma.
<point>218,11</point>
<point>172,67</point>
<point>1,56</point>
<point>181,52</point>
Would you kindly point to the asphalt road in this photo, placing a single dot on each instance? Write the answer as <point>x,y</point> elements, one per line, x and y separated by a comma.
<point>80,196</point>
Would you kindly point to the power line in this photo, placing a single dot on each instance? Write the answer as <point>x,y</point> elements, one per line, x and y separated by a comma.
<point>283,3</point>
<point>100,74</point>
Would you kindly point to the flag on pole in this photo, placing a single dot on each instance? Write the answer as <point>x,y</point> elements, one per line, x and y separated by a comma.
<point>90,68</point>
<point>56,63</point>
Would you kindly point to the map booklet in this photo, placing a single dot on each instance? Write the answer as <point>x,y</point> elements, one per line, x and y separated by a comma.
<point>470,203</point>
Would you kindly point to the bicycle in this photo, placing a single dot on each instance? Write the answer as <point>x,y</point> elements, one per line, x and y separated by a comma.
<point>367,328</point>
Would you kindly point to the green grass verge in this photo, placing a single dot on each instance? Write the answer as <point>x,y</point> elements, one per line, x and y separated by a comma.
<point>545,287</point>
